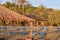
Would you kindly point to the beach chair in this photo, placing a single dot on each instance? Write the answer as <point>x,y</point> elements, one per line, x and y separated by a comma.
<point>46,28</point>
<point>57,29</point>
<point>23,33</point>
<point>5,32</point>
<point>40,28</point>
<point>34,33</point>
<point>42,34</point>
<point>4,28</point>
<point>12,33</point>
<point>17,29</point>
<point>28,27</point>
<point>23,28</point>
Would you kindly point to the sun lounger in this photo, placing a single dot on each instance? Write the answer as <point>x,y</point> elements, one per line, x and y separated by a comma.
<point>28,27</point>
<point>17,29</point>
<point>42,33</point>
<point>34,33</point>
<point>57,28</point>
<point>12,33</point>
<point>40,28</point>
<point>23,33</point>
<point>23,28</point>
<point>5,33</point>
<point>45,28</point>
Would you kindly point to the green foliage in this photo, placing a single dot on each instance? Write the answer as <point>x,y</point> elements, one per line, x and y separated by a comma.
<point>29,8</point>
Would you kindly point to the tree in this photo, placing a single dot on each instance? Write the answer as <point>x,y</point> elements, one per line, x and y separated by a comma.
<point>56,17</point>
<point>29,8</point>
<point>7,4</point>
<point>13,7</point>
<point>21,4</point>
<point>41,11</point>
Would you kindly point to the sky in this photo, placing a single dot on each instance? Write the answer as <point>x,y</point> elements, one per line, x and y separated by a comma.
<point>47,3</point>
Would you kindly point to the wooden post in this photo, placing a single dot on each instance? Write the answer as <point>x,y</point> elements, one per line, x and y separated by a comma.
<point>7,22</point>
<point>1,23</point>
<point>17,23</point>
<point>34,23</point>
<point>42,23</point>
<point>10,22</point>
<point>31,28</point>
<point>39,23</point>
<point>26,23</point>
<point>14,22</point>
<point>37,27</point>
<point>20,23</point>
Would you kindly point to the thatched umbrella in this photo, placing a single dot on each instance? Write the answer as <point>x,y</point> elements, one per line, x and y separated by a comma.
<point>8,14</point>
<point>36,17</point>
<point>38,20</point>
<point>19,16</point>
<point>5,14</point>
<point>26,18</point>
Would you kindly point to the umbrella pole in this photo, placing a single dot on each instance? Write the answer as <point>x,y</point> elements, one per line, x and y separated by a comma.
<point>14,22</point>
<point>37,28</point>
<point>1,23</point>
<point>26,23</point>
<point>10,22</point>
<point>31,25</point>
<point>17,23</point>
<point>20,23</point>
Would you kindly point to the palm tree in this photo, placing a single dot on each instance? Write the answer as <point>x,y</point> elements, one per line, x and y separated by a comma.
<point>50,12</point>
<point>21,4</point>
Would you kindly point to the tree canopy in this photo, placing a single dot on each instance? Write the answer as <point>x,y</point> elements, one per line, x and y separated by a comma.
<point>51,14</point>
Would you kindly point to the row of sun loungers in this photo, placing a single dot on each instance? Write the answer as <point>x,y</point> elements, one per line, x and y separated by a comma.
<point>27,28</point>
<point>13,30</point>
<point>23,31</point>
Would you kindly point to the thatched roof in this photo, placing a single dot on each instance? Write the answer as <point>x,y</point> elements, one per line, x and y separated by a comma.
<point>5,13</point>
<point>23,17</point>
<point>1,17</point>
<point>36,17</point>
